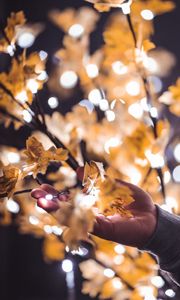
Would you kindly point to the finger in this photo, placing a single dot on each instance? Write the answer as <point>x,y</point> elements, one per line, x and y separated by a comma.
<point>49,189</point>
<point>38,193</point>
<point>49,206</point>
<point>103,228</point>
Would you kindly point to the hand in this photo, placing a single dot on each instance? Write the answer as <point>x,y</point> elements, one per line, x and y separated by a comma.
<point>44,201</point>
<point>134,231</point>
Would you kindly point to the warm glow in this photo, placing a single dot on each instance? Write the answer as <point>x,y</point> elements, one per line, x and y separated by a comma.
<point>176,174</point>
<point>67,265</point>
<point>133,88</point>
<point>26,39</point>
<point>92,70</point>
<point>68,79</point>
<point>177,152</point>
<point>76,30</point>
<point>53,102</point>
<point>119,68</point>
<point>110,115</point>
<point>95,96</point>
<point>147,14</point>
<point>136,110</point>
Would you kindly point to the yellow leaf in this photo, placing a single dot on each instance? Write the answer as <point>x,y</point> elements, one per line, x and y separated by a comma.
<point>8,180</point>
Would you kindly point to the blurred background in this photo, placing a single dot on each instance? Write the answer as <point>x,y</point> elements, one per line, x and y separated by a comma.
<point>23,273</point>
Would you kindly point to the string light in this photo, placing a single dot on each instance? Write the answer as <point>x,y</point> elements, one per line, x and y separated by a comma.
<point>133,88</point>
<point>48,229</point>
<point>110,115</point>
<point>177,152</point>
<point>156,160</point>
<point>147,14</point>
<point>157,281</point>
<point>117,283</point>
<point>53,102</point>
<point>176,174</point>
<point>111,143</point>
<point>95,96</point>
<point>26,39</point>
<point>22,97</point>
<point>151,64</point>
<point>119,68</point>
<point>76,30</point>
<point>119,249</point>
<point>170,293</point>
<point>43,55</point>
<point>12,206</point>
<point>103,105</point>
<point>92,70</point>
<point>68,79</point>
<point>136,110</point>
<point>33,220</point>
<point>109,273</point>
<point>67,265</point>
<point>154,112</point>
<point>57,230</point>
<point>32,85</point>
<point>42,76</point>
<point>27,116</point>
<point>13,157</point>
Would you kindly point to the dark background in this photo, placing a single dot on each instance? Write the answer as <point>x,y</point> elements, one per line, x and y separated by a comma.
<point>23,272</point>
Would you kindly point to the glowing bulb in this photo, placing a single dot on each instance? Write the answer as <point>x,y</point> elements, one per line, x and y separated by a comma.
<point>95,96</point>
<point>10,50</point>
<point>135,110</point>
<point>33,220</point>
<point>118,259</point>
<point>76,30</point>
<point>171,202</point>
<point>119,249</point>
<point>154,112</point>
<point>103,104</point>
<point>26,40</point>
<point>177,152</point>
<point>126,8</point>
<point>57,230</point>
<point>49,197</point>
<point>68,79</point>
<point>151,64</point>
<point>87,104</point>
<point>27,116</point>
<point>67,265</point>
<point>110,115</point>
<point>117,283</point>
<point>43,55</point>
<point>133,88</point>
<point>156,160</point>
<point>119,68</point>
<point>111,143</point>
<point>109,273</point>
<point>147,14</point>
<point>32,85</point>
<point>12,206</point>
<point>53,102</point>
<point>170,293</point>
<point>42,76</point>
<point>144,104</point>
<point>157,281</point>
<point>48,229</point>
<point>92,70</point>
<point>176,173</point>
<point>13,157</point>
<point>22,97</point>
<point>167,177</point>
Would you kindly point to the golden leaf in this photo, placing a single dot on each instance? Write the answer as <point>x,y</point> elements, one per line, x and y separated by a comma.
<point>8,180</point>
<point>105,5</point>
<point>93,173</point>
<point>53,249</point>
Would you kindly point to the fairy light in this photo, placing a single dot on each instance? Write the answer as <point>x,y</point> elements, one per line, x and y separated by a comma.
<point>111,143</point>
<point>118,259</point>
<point>33,220</point>
<point>150,64</point>
<point>171,202</point>
<point>156,160</point>
<point>110,115</point>
<point>49,197</point>
<point>13,157</point>
<point>133,88</point>
<point>157,281</point>
<point>170,293</point>
<point>176,174</point>
<point>126,7</point>
<point>136,110</point>
<point>53,102</point>
<point>154,112</point>
<point>119,68</point>
<point>92,70</point>
<point>119,249</point>
<point>32,85</point>
<point>144,104</point>
<point>76,30</point>
<point>95,96</point>
<point>27,116</point>
<point>68,79</point>
<point>26,39</point>
<point>22,97</point>
<point>67,265</point>
<point>12,206</point>
<point>167,177</point>
<point>147,14</point>
<point>109,273</point>
<point>104,105</point>
<point>10,50</point>
<point>43,55</point>
<point>147,292</point>
<point>42,76</point>
<point>117,283</point>
<point>48,229</point>
<point>177,152</point>
<point>57,230</point>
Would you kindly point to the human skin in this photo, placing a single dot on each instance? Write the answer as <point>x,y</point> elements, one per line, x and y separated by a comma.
<point>134,231</point>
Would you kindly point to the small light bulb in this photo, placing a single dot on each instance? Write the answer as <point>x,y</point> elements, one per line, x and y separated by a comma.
<point>103,105</point>
<point>147,14</point>
<point>177,152</point>
<point>33,220</point>
<point>76,30</point>
<point>67,265</point>
<point>95,96</point>
<point>13,157</point>
<point>26,39</point>
<point>119,249</point>
<point>110,115</point>
<point>43,55</point>
<point>119,68</point>
<point>135,110</point>
<point>109,273</point>
<point>53,102</point>
<point>68,79</point>
<point>170,293</point>
<point>12,206</point>
<point>27,116</point>
<point>92,70</point>
<point>176,173</point>
<point>32,85</point>
<point>133,88</point>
